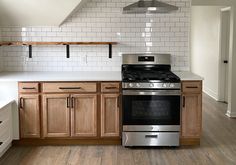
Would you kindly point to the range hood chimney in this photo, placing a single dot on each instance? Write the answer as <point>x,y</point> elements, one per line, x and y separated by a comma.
<point>149,6</point>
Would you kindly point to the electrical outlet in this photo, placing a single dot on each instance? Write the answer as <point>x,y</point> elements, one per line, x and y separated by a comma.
<point>84,59</point>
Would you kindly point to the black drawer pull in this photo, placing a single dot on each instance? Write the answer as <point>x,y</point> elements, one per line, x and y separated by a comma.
<point>151,136</point>
<point>0,122</point>
<point>31,88</point>
<point>1,143</point>
<point>64,88</point>
<point>111,87</point>
<point>191,87</point>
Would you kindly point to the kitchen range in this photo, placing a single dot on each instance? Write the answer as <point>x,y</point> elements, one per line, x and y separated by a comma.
<point>151,101</point>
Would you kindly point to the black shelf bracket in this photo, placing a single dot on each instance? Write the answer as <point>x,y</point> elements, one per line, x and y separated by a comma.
<point>30,51</point>
<point>67,51</point>
<point>110,50</point>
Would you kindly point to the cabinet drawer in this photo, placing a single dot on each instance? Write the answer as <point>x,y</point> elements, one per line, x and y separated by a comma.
<point>28,87</point>
<point>5,136</point>
<point>110,87</point>
<point>5,131</point>
<point>4,125</point>
<point>192,86</point>
<point>4,114</point>
<point>69,87</point>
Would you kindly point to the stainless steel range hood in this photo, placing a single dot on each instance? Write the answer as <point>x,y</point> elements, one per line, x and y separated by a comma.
<point>149,6</point>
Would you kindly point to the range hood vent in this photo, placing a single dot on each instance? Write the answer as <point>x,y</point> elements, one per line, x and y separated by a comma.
<point>149,6</point>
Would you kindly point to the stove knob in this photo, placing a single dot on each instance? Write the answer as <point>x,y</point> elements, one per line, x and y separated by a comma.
<point>172,85</point>
<point>151,85</point>
<point>138,85</point>
<point>164,85</point>
<point>131,85</point>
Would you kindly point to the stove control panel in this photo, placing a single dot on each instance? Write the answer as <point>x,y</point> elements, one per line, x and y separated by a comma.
<point>151,85</point>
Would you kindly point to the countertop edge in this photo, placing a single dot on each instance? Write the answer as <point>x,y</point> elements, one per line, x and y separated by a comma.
<point>80,76</point>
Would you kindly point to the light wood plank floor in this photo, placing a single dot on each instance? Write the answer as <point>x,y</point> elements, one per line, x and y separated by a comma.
<point>218,146</point>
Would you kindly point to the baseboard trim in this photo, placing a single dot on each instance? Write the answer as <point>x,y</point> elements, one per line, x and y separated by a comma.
<point>231,114</point>
<point>211,93</point>
<point>43,142</point>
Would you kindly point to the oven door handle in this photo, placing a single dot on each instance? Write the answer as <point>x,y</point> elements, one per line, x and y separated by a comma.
<point>151,92</point>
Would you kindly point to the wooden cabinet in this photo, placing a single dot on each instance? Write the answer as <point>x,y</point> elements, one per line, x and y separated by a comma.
<point>74,112</point>
<point>110,109</point>
<point>110,120</point>
<point>56,115</point>
<point>29,116</point>
<point>191,115</point>
<point>191,112</point>
<point>84,115</point>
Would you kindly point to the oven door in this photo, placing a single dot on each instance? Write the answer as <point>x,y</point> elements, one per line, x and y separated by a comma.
<point>151,107</point>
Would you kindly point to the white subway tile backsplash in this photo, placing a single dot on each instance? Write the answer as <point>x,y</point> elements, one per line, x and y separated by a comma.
<point>101,20</point>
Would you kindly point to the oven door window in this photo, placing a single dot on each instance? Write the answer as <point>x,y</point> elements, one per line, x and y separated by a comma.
<point>151,110</point>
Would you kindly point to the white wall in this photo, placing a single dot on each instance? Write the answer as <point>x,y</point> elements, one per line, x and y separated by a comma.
<point>231,112</point>
<point>205,47</point>
<point>102,20</point>
<point>35,12</point>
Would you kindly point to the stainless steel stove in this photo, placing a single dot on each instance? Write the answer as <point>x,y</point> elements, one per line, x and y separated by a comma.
<point>151,101</point>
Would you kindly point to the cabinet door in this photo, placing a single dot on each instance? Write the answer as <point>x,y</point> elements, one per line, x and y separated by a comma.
<point>191,115</point>
<point>110,115</point>
<point>29,116</point>
<point>56,115</point>
<point>84,115</point>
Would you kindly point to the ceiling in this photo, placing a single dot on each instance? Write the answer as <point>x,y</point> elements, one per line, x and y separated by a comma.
<point>36,12</point>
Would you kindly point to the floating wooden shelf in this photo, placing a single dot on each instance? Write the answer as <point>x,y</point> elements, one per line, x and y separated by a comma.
<point>30,44</point>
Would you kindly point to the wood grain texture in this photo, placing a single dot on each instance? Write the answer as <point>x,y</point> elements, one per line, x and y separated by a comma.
<point>192,86</point>
<point>84,115</point>
<point>29,116</point>
<point>28,87</point>
<point>110,87</point>
<point>69,87</point>
<point>218,147</point>
<point>192,116</point>
<point>110,119</point>
<point>19,43</point>
<point>56,115</point>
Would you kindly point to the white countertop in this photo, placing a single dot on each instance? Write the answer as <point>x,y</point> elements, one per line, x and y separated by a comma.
<point>77,76</point>
<point>188,76</point>
<point>60,76</point>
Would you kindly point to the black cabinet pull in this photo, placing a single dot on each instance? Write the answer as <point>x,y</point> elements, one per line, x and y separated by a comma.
<point>1,143</point>
<point>151,136</point>
<point>0,122</point>
<point>21,102</point>
<point>183,101</point>
<point>68,102</point>
<point>111,87</point>
<point>191,87</point>
<point>72,102</point>
<point>64,88</point>
<point>225,61</point>
<point>29,88</point>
